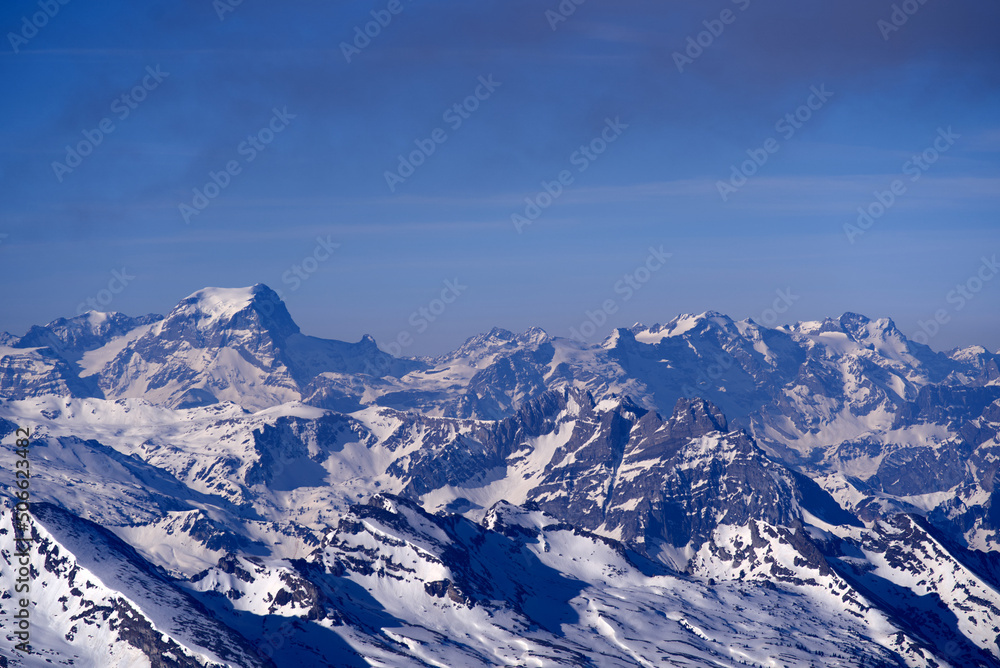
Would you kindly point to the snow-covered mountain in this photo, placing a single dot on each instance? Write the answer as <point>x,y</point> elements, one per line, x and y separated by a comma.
<point>214,487</point>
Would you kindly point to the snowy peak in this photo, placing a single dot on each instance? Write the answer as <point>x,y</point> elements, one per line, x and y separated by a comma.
<point>684,324</point>
<point>533,336</point>
<point>496,337</point>
<point>216,345</point>
<point>981,367</point>
<point>202,316</point>
<point>619,338</point>
<point>239,345</point>
<point>498,341</point>
<point>511,520</point>
<point>867,331</point>
<point>70,338</point>
<point>856,327</point>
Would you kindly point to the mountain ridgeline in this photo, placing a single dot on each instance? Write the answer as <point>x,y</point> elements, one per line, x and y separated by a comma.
<point>214,488</point>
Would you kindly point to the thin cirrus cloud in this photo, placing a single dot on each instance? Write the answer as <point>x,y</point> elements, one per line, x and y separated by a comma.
<point>354,120</point>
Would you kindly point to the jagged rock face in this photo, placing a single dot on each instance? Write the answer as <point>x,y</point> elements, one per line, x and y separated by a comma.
<point>38,373</point>
<point>44,361</point>
<point>799,389</point>
<point>71,338</point>
<point>287,453</point>
<point>493,375</point>
<point>708,356</point>
<point>914,471</point>
<point>611,467</point>
<point>918,579</point>
<point>445,557</point>
<point>535,577</point>
<point>647,480</point>
<point>457,453</point>
<point>947,405</point>
<point>984,428</point>
<point>712,481</point>
<point>978,366</point>
<point>494,392</point>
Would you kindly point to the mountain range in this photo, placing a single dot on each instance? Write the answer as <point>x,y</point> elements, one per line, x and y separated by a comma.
<point>214,488</point>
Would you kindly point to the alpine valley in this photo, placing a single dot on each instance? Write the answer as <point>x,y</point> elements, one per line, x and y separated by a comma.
<point>215,488</point>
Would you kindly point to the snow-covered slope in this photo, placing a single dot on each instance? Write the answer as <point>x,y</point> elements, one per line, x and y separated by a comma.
<point>96,602</point>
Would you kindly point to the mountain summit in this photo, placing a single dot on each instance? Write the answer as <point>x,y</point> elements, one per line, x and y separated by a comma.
<point>220,312</point>
<point>222,344</point>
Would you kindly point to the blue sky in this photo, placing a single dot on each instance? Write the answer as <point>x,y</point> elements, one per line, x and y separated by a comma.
<point>369,256</point>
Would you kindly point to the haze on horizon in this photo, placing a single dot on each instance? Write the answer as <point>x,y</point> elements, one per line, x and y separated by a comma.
<point>600,166</point>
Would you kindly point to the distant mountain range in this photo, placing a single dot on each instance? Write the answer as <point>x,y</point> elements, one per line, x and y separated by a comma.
<point>214,487</point>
